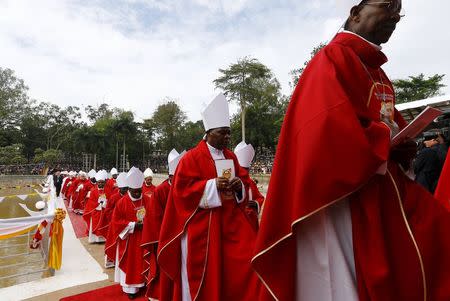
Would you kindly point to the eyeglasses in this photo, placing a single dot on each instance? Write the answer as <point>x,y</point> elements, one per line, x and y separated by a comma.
<point>394,7</point>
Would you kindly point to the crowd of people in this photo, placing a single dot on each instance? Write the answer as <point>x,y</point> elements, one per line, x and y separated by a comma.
<point>22,169</point>
<point>342,221</point>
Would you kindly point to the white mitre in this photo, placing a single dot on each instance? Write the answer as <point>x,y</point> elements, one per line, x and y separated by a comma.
<point>92,173</point>
<point>173,159</point>
<point>135,178</point>
<point>216,114</point>
<point>148,173</point>
<point>101,175</point>
<point>245,154</point>
<point>122,180</point>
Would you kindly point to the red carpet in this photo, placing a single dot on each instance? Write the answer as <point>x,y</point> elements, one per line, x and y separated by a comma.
<point>113,292</point>
<point>78,223</point>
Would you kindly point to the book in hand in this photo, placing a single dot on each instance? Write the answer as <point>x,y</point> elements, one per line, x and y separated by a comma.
<point>225,168</point>
<point>417,126</point>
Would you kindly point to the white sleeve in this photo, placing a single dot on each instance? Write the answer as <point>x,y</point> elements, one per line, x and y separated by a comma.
<point>79,187</point>
<point>128,230</point>
<point>210,198</point>
<point>243,194</point>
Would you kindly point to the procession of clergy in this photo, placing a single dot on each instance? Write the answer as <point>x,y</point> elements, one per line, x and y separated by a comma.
<point>127,212</point>
<point>342,220</point>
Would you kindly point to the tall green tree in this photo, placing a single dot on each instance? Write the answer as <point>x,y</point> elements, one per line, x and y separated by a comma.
<point>190,134</point>
<point>13,98</point>
<point>12,154</point>
<point>296,73</point>
<point>418,87</point>
<point>242,82</point>
<point>14,105</point>
<point>165,125</point>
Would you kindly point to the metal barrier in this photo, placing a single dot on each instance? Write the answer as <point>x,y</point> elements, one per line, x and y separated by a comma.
<point>24,261</point>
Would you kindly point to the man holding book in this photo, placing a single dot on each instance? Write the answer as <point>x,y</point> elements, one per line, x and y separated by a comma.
<point>342,221</point>
<point>206,239</point>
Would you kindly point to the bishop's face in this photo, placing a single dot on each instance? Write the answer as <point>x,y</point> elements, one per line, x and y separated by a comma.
<point>135,192</point>
<point>376,20</point>
<point>219,137</point>
<point>101,184</point>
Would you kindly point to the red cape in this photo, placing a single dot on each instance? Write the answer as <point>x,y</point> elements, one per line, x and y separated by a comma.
<point>130,252</point>
<point>331,144</point>
<point>220,239</point>
<point>110,187</point>
<point>148,190</point>
<point>442,192</point>
<point>72,188</point>
<point>90,211</point>
<point>112,202</point>
<point>79,198</point>
<point>150,236</point>
<point>256,196</point>
<point>66,185</point>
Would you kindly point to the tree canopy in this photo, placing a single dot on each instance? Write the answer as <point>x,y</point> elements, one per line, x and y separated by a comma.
<point>418,87</point>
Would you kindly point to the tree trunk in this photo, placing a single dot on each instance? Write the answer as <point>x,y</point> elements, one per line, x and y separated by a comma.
<point>123,160</point>
<point>243,121</point>
<point>117,153</point>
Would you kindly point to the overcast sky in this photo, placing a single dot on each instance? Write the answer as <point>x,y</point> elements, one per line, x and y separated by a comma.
<point>133,53</point>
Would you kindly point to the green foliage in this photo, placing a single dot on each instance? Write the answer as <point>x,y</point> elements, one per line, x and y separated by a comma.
<point>13,99</point>
<point>296,73</point>
<point>246,82</point>
<point>12,154</point>
<point>165,125</point>
<point>50,156</point>
<point>418,87</point>
<point>190,134</point>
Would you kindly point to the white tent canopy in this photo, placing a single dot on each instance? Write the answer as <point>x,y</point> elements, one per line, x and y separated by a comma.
<point>410,110</point>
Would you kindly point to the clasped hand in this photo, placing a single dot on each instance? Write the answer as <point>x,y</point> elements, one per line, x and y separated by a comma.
<point>224,184</point>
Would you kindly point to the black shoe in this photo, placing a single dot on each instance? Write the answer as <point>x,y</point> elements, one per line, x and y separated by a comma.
<point>132,296</point>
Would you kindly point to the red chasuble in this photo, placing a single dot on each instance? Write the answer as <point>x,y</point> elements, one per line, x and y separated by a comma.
<point>79,198</point>
<point>332,143</point>
<point>72,188</point>
<point>442,192</point>
<point>256,196</point>
<point>90,211</point>
<point>130,252</point>
<point>150,236</point>
<point>66,185</point>
<point>110,187</point>
<point>148,190</point>
<point>110,205</point>
<point>219,241</point>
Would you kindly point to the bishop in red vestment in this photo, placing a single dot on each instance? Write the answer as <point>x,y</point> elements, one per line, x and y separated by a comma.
<point>67,181</point>
<point>206,238</point>
<point>245,154</point>
<point>94,210</point>
<point>111,186</point>
<point>79,196</point>
<point>124,236</point>
<point>111,204</point>
<point>148,188</point>
<point>152,225</point>
<point>342,221</point>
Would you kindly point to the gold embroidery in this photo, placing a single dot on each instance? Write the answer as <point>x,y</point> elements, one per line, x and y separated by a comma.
<point>291,233</point>
<point>411,235</point>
